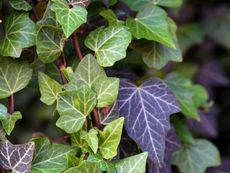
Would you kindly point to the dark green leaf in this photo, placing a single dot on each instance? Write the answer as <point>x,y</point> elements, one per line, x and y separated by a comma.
<point>20,5</point>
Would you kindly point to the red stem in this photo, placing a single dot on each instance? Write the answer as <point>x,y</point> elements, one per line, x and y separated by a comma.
<point>11,104</point>
<point>59,65</point>
<point>77,46</point>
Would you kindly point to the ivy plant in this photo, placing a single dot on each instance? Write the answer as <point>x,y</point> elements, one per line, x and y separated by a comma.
<point>71,52</point>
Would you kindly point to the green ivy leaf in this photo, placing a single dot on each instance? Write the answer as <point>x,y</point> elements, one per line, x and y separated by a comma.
<point>109,44</point>
<point>9,123</point>
<point>91,139</point>
<point>151,23</point>
<point>86,166</point>
<point>200,96</point>
<point>14,76</point>
<point>89,73</point>
<point>70,19</point>
<point>183,90</point>
<point>49,88</point>
<point>50,43</point>
<point>111,17</point>
<point>133,164</point>
<point>20,5</point>
<point>196,158</point>
<point>73,107</point>
<point>49,157</point>
<point>110,137</point>
<point>137,5</point>
<point>3,112</point>
<point>20,33</point>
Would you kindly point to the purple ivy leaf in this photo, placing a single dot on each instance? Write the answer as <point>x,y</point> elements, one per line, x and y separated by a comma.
<point>211,75</point>
<point>146,110</point>
<point>208,123</point>
<point>172,144</point>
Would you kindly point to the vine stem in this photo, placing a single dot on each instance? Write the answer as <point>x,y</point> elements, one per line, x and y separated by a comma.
<point>36,16</point>
<point>60,65</point>
<point>94,115</point>
<point>11,104</point>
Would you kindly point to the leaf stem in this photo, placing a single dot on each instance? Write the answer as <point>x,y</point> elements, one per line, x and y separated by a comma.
<point>77,46</point>
<point>95,119</point>
<point>60,65</point>
<point>11,104</point>
<point>36,16</point>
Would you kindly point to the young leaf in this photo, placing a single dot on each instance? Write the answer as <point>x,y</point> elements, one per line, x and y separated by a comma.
<point>49,157</point>
<point>91,139</point>
<point>85,167</point>
<point>110,137</point>
<point>49,43</point>
<point>49,88</point>
<point>9,123</point>
<point>146,110</point>
<point>69,19</point>
<point>133,164</point>
<point>14,76</point>
<point>20,33</point>
<point>151,23</point>
<point>20,5</point>
<point>109,44</point>
<point>89,73</point>
<point>73,107</point>
<point>16,157</point>
<point>196,158</point>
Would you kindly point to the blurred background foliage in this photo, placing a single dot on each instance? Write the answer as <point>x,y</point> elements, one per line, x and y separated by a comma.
<point>204,37</point>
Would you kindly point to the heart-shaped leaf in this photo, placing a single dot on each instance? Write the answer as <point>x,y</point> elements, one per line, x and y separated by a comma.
<point>20,33</point>
<point>147,109</point>
<point>151,23</point>
<point>109,44</point>
<point>49,157</point>
<point>16,157</point>
<point>69,18</point>
<point>73,107</point>
<point>14,76</point>
<point>196,158</point>
<point>49,89</point>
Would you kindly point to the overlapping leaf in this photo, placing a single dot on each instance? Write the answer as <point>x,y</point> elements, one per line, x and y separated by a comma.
<point>133,164</point>
<point>147,109</point>
<point>92,139</point>
<point>151,23</point>
<point>14,76</point>
<point>110,137</point>
<point>73,107</point>
<point>111,17</point>
<point>89,73</point>
<point>20,5</point>
<point>69,18</point>
<point>85,167</point>
<point>20,33</point>
<point>197,157</point>
<point>49,157</point>
<point>16,158</point>
<point>49,89</point>
<point>109,44</point>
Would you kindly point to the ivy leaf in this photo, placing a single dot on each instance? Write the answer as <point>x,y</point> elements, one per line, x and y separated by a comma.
<point>83,3</point>
<point>183,90</point>
<point>9,123</point>
<point>197,157</point>
<point>89,73</point>
<point>50,43</point>
<point>91,139</point>
<point>111,17</point>
<point>73,107</point>
<point>16,157</point>
<point>101,163</point>
<point>19,33</point>
<point>20,5</point>
<point>132,164</point>
<point>49,157</point>
<point>3,112</point>
<point>151,23</point>
<point>84,167</point>
<point>49,88</point>
<point>147,109</point>
<point>110,137</point>
<point>109,44</point>
<point>14,76</point>
<point>137,5</point>
<point>69,19</point>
